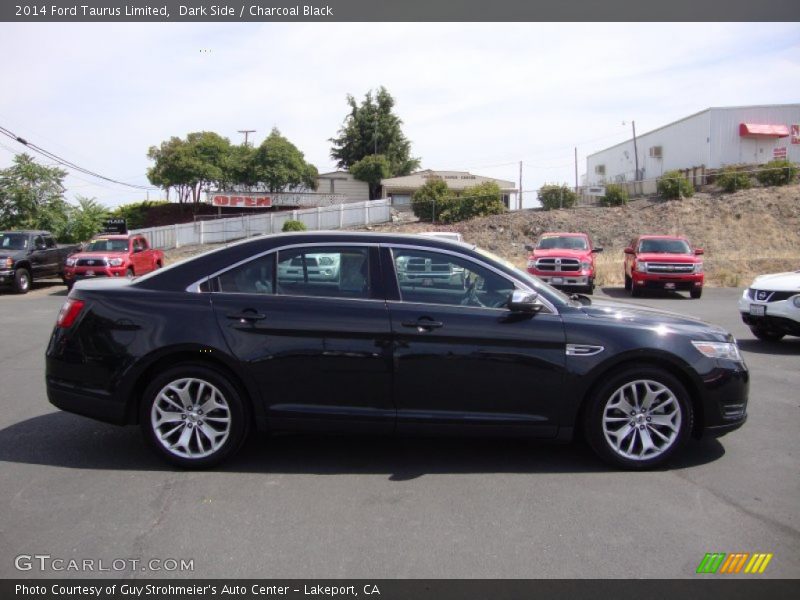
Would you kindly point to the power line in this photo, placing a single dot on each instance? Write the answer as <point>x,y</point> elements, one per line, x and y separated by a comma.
<point>66,163</point>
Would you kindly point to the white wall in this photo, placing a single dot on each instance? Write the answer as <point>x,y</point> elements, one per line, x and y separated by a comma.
<point>728,148</point>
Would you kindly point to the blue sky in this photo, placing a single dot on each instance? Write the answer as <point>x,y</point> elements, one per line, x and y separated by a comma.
<point>478,97</point>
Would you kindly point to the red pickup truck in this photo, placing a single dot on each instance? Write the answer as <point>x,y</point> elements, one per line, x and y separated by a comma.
<point>564,260</point>
<point>664,262</point>
<point>112,256</point>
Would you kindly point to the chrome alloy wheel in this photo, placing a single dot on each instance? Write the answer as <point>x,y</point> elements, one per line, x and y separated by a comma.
<point>190,418</point>
<point>642,419</point>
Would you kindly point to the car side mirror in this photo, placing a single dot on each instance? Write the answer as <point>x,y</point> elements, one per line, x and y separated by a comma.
<point>596,250</point>
<point>521,301</point>
<point>629,250</point>
<point>529,247</point>
<point>698,251</point>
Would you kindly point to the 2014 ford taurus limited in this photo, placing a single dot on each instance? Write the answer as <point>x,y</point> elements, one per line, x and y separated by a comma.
<point>249,337</point>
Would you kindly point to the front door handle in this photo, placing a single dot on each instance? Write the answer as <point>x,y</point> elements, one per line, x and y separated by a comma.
<point>247,315</point>
<point>423,324</point>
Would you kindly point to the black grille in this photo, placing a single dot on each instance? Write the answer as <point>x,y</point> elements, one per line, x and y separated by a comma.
<point>767,296</point>
<point>91,262</point>
<point>563,265</point>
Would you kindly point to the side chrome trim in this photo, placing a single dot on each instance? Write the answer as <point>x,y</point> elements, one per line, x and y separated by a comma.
<point>583,350</point>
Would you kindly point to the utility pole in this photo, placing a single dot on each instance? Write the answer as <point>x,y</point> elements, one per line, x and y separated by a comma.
<point>246,133</point>
<point>375,135</point>
<point>576,169</point>
<point>519,196</point>
<point>635,152</point>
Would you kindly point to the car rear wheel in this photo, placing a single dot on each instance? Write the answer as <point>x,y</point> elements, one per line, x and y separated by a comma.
<point>193,416</point>
<point>767,335</point>
<point>639,418</point>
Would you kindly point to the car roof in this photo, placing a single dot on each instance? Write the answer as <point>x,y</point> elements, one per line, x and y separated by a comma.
<point>554,233</point>
<point>662,237</point>
<point>114,236</point>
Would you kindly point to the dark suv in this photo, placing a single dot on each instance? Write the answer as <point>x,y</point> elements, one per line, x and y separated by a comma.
<point>229,341</point>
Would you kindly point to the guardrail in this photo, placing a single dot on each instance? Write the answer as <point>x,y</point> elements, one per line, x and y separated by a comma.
<point>235,228</point>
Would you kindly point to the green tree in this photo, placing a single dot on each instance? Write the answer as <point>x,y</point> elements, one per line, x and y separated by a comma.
<point>372,128</point>
<point>557,196</point>
<point>189,165</point>
<point>433,198</point>
<point>673,185</point>
<point>291,225</point>
<point>32,195</point>
<point>277,165</point>
<point>85,220</point>
<point>372,169</point>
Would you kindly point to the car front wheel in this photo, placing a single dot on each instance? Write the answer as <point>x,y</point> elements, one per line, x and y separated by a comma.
<point>767,335</point>
<point>639,418</point>
<point>193,416</point>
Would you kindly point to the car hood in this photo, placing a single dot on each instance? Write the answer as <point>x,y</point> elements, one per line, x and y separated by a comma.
<point>778,282</point>
<point>98,255</point>
<point>13,254</point>
<point>653,318</point>
<point>560,252</point>
<point>666,257</point>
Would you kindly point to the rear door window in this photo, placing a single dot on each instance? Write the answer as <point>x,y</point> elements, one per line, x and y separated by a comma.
<point>332,272</point>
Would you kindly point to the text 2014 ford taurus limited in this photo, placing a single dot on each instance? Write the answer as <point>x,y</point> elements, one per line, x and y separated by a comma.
<point>206,350</point>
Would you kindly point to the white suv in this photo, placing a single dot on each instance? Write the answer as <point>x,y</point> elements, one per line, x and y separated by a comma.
<point>771,306</point>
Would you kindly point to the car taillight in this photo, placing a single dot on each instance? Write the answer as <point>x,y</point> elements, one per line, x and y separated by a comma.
<point>69,312</point>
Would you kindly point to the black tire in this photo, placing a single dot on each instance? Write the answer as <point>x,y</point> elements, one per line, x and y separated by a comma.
<point>22,281</point>
<point>680,402</point>
<point>767,335</point>
<point>635,292</point>
<point>237,413</point>
<point>129,273</point>
<point>628,282</point>
<point>696,293</point>
<point>589,290</point>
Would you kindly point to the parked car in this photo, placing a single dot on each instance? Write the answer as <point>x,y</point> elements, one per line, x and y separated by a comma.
<point>564,260</point>
<point>112,256</point>
<point>445,235</point>
<point>663,262</point>
<point>771,306</point>
<point>28,256</point>
<point>197,356</point>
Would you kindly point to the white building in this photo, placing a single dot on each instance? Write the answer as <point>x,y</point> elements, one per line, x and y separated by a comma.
<point>712,138</point>
<point>342,182</point>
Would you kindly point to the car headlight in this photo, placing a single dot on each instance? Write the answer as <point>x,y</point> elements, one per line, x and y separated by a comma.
<point>698,268</point>
<point>115,262</point>
<point>585,265</point>
<point>796,301</point>
<point>728,350</point>
<point>531,264</point>
<point>8,262</point>
<point>70,262</point>
<point>641,267</point>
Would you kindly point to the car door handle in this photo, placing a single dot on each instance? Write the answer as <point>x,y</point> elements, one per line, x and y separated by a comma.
<point>247,315</point>
<point>423,324</point>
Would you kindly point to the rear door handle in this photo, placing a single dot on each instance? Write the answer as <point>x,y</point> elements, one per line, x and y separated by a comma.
<point>423,324</point>
<point>247,315</point>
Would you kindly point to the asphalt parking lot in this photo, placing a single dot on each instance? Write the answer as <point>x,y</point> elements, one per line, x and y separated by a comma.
<point>317,507</point>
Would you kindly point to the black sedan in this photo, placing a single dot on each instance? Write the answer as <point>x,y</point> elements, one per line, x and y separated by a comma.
<point>244,338</point>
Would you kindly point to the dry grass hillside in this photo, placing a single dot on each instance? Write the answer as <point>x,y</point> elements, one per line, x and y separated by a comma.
<point>744,234</point>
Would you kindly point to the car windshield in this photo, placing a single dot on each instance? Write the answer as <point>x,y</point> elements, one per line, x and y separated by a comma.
<point>13,241</point>
<point>562,242</point>
<point>106,245</point>
<point>656,246</point>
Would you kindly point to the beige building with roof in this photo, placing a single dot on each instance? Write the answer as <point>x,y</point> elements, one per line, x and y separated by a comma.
<point>400,189</point>
<point>342,182</point>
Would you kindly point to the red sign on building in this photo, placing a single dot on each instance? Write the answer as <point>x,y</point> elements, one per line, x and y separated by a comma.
<point>245,201</point>
<point>779,152</point>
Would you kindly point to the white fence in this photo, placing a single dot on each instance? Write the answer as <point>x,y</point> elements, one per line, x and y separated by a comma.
<point>235,228</point>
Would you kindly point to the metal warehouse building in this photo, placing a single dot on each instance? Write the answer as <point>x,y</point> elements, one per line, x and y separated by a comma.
<point>712,138</point>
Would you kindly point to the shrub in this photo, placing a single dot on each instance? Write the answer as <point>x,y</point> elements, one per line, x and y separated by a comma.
<point>674,185</point>
<point>731,180</point>
<point>135,213</point>
<point>777,172</point>
<point>616,195</point>
<point>477,201</point>
<point>557,196</point>
<point>291,225</point>
<point>431,200</point>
